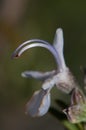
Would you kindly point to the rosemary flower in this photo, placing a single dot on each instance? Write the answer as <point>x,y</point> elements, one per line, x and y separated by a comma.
<point>60,77</point>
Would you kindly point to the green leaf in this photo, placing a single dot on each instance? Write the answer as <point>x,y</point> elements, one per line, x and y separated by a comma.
<point>70,126</point>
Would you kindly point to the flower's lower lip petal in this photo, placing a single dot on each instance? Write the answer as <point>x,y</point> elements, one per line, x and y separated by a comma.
<point>39,103</point>
<point>38,75</point>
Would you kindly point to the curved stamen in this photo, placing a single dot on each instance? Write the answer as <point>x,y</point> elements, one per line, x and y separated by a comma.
<point>31,41</point>
<point>38,43</point>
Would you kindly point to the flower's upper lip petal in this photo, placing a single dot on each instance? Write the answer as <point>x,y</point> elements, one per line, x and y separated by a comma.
<point>58,40</point>
<point>58,44</point>
<point>37,43</point>
<point>38,75</point>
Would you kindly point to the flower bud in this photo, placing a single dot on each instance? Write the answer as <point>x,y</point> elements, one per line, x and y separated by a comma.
<point>76,113</point>
<point>77,97</point>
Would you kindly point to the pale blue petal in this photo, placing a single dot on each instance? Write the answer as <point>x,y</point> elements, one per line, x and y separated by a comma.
<point>49,83</point>
<point>58,44</point>
<point>38,75</point>
<point>38,104</point>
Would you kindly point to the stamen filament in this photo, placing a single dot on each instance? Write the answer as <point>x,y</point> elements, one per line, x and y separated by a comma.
<point>38,43</point>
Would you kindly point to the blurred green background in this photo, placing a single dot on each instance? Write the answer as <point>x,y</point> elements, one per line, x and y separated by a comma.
<point>21,20</point>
